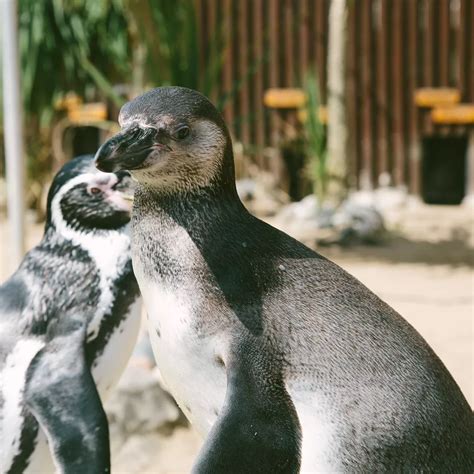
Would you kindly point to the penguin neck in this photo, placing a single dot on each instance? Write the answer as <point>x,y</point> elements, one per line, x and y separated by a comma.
<point>204,207</point>
<point>193,208</point>
<point>108,249</point>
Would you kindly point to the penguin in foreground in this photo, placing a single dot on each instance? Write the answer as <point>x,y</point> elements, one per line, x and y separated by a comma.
<point>69,318</point>
<point>284,361</point>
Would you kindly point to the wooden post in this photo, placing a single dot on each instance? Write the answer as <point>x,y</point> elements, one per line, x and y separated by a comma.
<point>337,126</point>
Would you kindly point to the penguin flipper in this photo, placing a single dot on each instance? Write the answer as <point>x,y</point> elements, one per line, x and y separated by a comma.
<point>61,394</point>
<point>258,429</point>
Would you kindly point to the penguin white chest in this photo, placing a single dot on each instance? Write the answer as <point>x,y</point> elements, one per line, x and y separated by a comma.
<point>188,361</point>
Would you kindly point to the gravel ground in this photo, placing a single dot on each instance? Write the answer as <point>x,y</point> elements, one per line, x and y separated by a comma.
<point>424,270</point>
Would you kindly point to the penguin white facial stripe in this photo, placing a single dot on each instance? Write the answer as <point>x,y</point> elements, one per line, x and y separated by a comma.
<point>12,380</point>
<point>108,249</point>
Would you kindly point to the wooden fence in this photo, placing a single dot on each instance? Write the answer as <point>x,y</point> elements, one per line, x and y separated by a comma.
<point>393,48</point>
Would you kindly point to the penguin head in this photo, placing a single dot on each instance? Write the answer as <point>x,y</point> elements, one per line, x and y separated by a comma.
<point>84,199</point>
<point>172,138</point>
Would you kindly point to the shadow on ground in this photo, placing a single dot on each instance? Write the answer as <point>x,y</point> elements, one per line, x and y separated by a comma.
<point>457,251</point>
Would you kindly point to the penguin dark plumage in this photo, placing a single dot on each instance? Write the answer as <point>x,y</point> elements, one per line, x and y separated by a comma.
<point>69,318</point>
<point>280,357</point>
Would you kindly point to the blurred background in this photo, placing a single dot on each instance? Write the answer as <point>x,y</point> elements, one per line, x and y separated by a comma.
<point>353,129</point>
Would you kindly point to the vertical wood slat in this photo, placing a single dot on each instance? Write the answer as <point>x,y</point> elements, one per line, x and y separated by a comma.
<point>319,49</point>
<point>288,61</point>
<point>462,46</point>
<point>211,26</point>
<point>353,94</point>
<point>199,7</point>
<point>303,39</point>
<point>470,43</point>
<point>381,116</point>
<point>273,22</point>
<point>228,70</point>
<point>397,94</point>
<point>243,65</point>
<point>365,61</point>
<point>428,38</point>
<point>381,89</point>
<point>443,42</point>
<point>414,148</point>
<point>257,80</point>
<point>288,44</point>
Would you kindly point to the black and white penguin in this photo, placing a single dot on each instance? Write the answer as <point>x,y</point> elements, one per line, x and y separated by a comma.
<point>69,318</point>
<point>279,357</point>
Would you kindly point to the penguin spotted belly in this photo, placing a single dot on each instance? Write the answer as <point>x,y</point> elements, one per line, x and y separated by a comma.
<point>189,363</point>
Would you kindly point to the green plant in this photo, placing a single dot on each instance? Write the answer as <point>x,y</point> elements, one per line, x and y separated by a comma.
<point>89,46</point>
<point>175,53</point>
<point>315,140</point>
<point>79,46</point>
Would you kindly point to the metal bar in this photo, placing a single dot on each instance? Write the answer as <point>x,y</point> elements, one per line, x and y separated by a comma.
<point>14,156</point>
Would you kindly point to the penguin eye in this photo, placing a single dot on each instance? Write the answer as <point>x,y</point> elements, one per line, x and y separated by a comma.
<point>182,133</point>
<point>95,191</point>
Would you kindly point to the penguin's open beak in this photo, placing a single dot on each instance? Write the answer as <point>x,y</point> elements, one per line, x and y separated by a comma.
<point>127,150</point>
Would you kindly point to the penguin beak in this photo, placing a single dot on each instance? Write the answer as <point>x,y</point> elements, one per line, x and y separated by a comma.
<point>127,150</point>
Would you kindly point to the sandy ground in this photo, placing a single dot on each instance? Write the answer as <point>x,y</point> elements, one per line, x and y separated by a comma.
<point>424,270</point>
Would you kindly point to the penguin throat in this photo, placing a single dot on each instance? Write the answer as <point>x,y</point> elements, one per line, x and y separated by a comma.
<point>189,208</point>
<point>190,175</point>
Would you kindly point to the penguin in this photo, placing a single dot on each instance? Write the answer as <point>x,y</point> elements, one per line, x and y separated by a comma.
<point>282,360</point>
<point>69,318</point>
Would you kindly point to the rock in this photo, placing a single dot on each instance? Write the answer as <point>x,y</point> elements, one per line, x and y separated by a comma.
<point>158,454</point>
<point>383,199</point>
<point>358,223</point>
<point>140,405</point>
<point>246,189</point>
<point>261,195</point>
<point>356,220</point>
